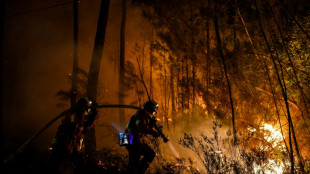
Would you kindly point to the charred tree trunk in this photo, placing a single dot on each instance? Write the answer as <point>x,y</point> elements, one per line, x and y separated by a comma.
<point>193,58</point>
<point>277,110</point>
<point>187,94</point>
<point>269,78</point>
<point>194,84</point>
<point>122,64</point>
<point>234,21</point>
<point>94,69</point>
<point>208,60</point>
<point>187,83</point>
<point>291,127</point>
<point>173,110</point>
<point>135,79</point>
<point>182,85</point>
<point>300,159</point>
<point>165,94</point>
<point>267,73</point>
<point>151,63</point>
<point>98,49</point>
<point>2,7</point>
<point>178,85</point>
<point>218,38</point>
<point>75,53</point>
<point>302,93</point>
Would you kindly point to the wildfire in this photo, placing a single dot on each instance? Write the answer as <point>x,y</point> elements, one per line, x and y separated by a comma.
<point>273,137</point>
<point>272,168</point>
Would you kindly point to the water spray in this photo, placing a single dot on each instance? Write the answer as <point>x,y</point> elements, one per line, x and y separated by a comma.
<point>175,153</point>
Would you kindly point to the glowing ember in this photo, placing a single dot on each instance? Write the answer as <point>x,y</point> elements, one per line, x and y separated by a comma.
<point>270,168</point>
<point>275,138</point>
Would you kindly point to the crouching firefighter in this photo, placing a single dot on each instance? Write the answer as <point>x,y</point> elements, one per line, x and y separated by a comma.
<point>141,123</point>
<point>67,146</point>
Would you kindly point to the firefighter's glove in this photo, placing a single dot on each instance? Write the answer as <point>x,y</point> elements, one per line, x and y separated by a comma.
<point>160,129</point>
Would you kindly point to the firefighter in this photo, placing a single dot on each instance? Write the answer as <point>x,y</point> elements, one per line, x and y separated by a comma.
<point>141,123</point>
<point>67,146</point>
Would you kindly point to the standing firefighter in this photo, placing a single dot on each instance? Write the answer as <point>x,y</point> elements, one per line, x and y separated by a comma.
<point>141,123</point>
<point>67,146</point>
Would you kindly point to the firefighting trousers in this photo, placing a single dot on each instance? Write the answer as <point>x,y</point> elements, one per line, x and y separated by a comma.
<point>135,152</point>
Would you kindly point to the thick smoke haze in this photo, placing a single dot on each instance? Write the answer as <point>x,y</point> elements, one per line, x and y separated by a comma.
<point>38,56</point>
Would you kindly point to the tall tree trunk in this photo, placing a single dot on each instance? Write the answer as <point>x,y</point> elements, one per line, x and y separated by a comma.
<point>208,60</point>
<point>178,85</point>
<point>187,91</point>
<point>165,94</point>
<point>234,21</point>
<point>2,7</point>
<point>75,53</point>
<point>173,110</point>
<point>193,58</point>
<point>300,159</point>
<point>121,96</point>
<point>267,72</point>
<point>194,84</point>
<point>218,37</point>
<point>268,75</point>
<point>187,83</point>
<point>291,127</point>
<point>302,93</point>
<point>94,69</point>
<point>182,86</point>
<point>151,63</point>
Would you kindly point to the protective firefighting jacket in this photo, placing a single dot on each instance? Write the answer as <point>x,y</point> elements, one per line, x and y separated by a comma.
<point>140,124</point>
<point>69,136</point>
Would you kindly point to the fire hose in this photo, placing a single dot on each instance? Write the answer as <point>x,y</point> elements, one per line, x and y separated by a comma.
<point>35,136</point>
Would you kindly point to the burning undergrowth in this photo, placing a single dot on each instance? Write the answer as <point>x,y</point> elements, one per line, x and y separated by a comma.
<point>221,155</point>
<point>209,149</point>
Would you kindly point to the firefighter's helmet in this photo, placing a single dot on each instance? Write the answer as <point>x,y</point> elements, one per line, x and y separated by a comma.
<point>150,106</point>
<point>87,106</point>
<point>84,103</point>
